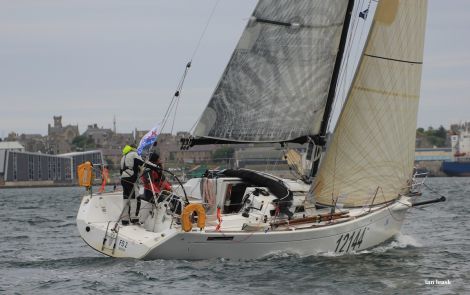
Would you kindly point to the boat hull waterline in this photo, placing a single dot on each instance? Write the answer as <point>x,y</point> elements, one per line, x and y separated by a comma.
<point>134,241</point>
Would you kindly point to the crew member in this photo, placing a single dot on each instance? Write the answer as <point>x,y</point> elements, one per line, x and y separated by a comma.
<point>131,163</point>
<point>154,181</point>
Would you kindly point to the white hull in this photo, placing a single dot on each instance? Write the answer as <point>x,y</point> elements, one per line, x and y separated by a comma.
<point>97,215</point>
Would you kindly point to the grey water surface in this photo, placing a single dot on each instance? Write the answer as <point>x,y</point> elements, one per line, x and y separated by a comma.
<point>41,252</point>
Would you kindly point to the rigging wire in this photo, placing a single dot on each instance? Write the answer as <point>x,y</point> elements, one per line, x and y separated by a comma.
<point>175,97</point>
<point>205,29</point>
<point>174,102</point>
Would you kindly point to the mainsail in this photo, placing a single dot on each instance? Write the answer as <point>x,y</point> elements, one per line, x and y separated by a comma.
<point>276,83</point>
<point>370,157</point>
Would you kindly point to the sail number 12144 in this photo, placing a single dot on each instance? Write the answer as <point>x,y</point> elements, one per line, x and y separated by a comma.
<point>350,241</point>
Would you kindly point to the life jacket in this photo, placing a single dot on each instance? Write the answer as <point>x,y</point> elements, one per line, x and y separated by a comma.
<point>127,164</point>
<point>158,181</point>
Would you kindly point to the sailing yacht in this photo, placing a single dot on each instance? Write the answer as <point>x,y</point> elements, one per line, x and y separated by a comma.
<point>279,87</point>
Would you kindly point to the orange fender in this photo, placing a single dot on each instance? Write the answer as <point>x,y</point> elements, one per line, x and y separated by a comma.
<point>186,223</point>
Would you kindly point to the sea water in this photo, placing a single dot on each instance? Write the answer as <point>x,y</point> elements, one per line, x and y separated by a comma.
<point>41,252</point>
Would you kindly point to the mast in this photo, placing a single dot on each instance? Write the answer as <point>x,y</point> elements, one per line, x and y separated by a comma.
<point>333,84</point>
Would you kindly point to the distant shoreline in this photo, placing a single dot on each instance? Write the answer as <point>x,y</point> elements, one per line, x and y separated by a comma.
<point>36,186</point>
<point>44,186</point>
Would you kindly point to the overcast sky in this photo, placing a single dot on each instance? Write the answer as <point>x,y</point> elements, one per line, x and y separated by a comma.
<point>90,60</point>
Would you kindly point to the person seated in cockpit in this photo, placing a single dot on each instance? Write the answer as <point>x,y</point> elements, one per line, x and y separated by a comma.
<point>154,181</point>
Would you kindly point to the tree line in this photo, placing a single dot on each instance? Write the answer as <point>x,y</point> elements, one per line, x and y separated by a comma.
<point>432,137</point>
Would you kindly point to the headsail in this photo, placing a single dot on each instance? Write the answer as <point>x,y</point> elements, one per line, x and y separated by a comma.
<point>370,157</point>
<point>276,83</point>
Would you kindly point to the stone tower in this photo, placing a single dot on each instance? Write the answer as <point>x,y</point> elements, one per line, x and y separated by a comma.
<point>58,121</point>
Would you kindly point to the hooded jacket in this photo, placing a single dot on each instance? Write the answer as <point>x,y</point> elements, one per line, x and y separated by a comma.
<point>130,162</point>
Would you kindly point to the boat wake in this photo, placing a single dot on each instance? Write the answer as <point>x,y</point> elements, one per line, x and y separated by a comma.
<point>400,241</point>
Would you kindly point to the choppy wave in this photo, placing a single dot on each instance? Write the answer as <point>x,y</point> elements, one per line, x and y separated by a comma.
<point>40,261</point>
<point>42,253</point>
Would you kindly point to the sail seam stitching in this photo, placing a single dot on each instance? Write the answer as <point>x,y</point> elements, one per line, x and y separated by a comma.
<point>385,92</point>
<point>393,59</point>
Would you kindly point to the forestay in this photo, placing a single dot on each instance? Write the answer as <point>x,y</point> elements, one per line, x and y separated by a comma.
<point>276,83</point>
<point>370,157</point>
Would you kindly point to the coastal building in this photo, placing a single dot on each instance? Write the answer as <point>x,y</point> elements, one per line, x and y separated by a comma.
<point>5,147</point>
<point>109,142</point>
<point>197,154</point>
<point>12,136</point>
<point>60,137</point>
<point>77,158</point>
<point>433,154</point>
<point>112,150</point>
<point>269,159</point>
<point>30,142</point>
<point>33,142</point>
<point>167,143</point>
<point>429,160</point>
<point>100,136</point>
<point>21,168</point>
<point>11,146</point>
<point>138,134</point>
